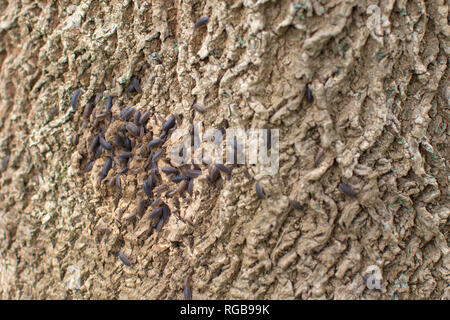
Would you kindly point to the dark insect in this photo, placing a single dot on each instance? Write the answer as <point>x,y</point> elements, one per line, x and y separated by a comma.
<point>5,163</point>
<point>102,116</point>
<point>89,166</point>
<point>144,118</point>
<point>166,211</point>
<point>118,184</point>
<point>214,174</point>
<point>109,103</point>
<point>98,96</point>
<point>259,191</point>
<point>190,187</point>
<point>182,187</point>
<point>130,217</point>
<point>125,169</point>
<point>126,113</point>
<point>347,190</point>
<point>161,189</point>
<point>124,259</point>
<point>199,108</point>
<point>137,117</point>
<point>223,168</point>
<point>106,167</point>
<point>53,112</point>
<point>168,124</point>
<point>142,206</point>
<point>75,139</point>
<point>88,110</point>
<point>132,129</point>
<point>156,203</point>
<point>318,158</point>
<point>170,193</point>
<point>98,152</point>
<point>193,173</point>
<point>74,100</point>
<point>123,142</point>
<point>187,288</point>
<point>105,144</point>
<point>200,22</point>
<point>147,188</point>
<point>309,95</point>
<point>160,224</point>
<point>295,204</point>
<point>125,155</point>
<point>157,155</point>
<point>179,178</point>
<point>135,85</point>
<point>155,213</point>
<point>154,143</point>
<point>95,143</point>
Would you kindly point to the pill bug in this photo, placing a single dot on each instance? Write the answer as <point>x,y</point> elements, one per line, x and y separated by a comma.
<point>223,168</point>
<point>98,152</point>
<point>126,113</point>
<point>137,117</point>
<point>259,191</point>
<point>199,108</point>
<point>155,213</point>
<point>309,95</point>
<point>74,100</point>
<point>159,225</point>
<point>75,139</point>
<point>118,184</point>
<point>180,178</point>
<point>125,155</point>
<point>166,211</point>
<point>347,190</point>
<point>109,103</point>
<point>89,166</point>
<point>144,118</point>
<point>318,158</point>
<point>143,204</point>
<point>156,202</point>
<point>132,129</point>
<point>182,187</point>
<point>147,188</point>
<point>105,143</point>
<point>187,288</point>
<point>106,167</point>
<point>124,259</point>
<point>214,174</point>
<point>201,22</point>
<point>295,204</point>
<point>190,187</point>
<point>135,85</point>
<point>154,143</point>
<point>168,124</point>
<point>157,155</point>
<point>193,173</point>
<point>161,189</point>
<point>5,163</point>
<point>95,143</point>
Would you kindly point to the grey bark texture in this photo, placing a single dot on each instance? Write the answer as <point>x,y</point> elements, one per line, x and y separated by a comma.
<point>378,73</point>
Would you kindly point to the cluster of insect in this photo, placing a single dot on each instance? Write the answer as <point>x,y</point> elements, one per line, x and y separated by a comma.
<point>139,147</point>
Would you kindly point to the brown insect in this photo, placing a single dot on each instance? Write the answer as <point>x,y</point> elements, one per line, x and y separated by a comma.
<point>259,191</point>
<point>124,259</point>
<point>347,190</point>
<point>187,288</point>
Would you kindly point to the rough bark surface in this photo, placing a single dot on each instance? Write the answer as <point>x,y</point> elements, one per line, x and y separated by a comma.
<point>380,115</point>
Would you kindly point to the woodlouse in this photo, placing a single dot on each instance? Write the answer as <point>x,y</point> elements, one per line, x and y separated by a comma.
<point>309,95</point>
<point>223,168</point>
<point>132,129</point>
<point>187,288</point>
<point>74,100</point>
<point>201,22</point>
<point>168,124</point>
<point>105,144</point>
<point>318,158</point>
<point>259,191</point>
<point>109,103</point>
<point>199,108</point>
<point>124,259</point>
<point>347,190</point>
<point>154,143</point>
<point>295,204</point>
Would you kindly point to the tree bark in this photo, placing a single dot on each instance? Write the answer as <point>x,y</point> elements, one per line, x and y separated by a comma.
<point>378,74</point>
